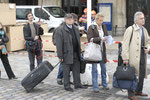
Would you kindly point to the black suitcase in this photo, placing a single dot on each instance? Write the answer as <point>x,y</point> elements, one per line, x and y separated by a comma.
<point>37,75</point>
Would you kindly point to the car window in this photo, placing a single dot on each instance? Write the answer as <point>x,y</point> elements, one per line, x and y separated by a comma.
<point>21,13</point>
<point>42,13</point>
<point>56,11</point>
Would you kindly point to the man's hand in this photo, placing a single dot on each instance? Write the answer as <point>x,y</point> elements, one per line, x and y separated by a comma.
<point>36,37</point>
<point>147,50</point>
<point>39,23</point>
<point>126,62</point>
<point>61,60</point>
<point>103,39</point>
<point>82,28</point>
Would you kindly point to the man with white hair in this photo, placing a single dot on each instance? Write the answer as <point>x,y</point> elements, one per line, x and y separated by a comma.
<point>136,44</point>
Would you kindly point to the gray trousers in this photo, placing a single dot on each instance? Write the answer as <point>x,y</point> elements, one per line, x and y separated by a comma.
<point>75,67</point>
<point>32,55</point>
<point>141,76</point>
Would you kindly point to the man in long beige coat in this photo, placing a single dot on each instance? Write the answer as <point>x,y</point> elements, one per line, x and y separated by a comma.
<point>136,44</point>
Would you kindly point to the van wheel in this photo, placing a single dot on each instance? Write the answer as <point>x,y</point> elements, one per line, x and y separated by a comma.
<point>51,30</point>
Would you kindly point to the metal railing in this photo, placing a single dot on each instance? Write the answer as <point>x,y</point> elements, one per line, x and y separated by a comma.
<point>118,31</point>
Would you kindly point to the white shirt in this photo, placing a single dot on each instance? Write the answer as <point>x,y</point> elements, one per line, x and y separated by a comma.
<point>100,31</point>
<point>141,29</point>
<point>70,26</point>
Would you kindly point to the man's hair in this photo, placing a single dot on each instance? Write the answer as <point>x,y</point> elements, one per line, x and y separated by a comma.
<point>136,16</point>
<point>98,15</point>
<point>28,14</point>
<point>68,16</point>
<point>75,17</point>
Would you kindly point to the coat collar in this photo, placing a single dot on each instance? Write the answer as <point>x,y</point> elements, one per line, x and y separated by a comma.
<point>135,27</point>
<point>96,31</point>
<point>65,27</point>
<point>74,27</point>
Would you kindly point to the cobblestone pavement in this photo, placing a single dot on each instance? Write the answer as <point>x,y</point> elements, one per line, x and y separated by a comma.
<point>12,90</point>
<point>50,90</point>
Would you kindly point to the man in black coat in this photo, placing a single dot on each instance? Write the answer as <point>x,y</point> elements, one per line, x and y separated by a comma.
<point>68,51</point>
<point>32,32</point>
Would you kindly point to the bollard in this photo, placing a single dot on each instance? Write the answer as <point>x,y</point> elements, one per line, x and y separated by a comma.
<point>116,29</point>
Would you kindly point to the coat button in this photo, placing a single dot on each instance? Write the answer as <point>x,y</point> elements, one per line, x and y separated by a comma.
<point>137,44</point>
<point>137,37</point>
<point>137,50</point>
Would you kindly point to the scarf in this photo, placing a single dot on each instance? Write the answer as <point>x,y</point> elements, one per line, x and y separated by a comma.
<point>3,47</point>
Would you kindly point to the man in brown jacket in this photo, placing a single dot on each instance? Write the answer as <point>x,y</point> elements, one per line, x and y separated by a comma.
<point>134,51</point>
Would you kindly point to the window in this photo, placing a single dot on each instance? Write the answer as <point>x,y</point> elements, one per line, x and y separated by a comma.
<point>42,13</point>
<point>56,11</point>
<point>21,13</point>
<point>77,6</point>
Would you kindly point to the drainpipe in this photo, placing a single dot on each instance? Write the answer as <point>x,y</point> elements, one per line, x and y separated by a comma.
<point>89,4</point>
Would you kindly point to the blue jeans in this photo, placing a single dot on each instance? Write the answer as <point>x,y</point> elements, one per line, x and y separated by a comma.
<point>95,75</point>
<point>60,71</point>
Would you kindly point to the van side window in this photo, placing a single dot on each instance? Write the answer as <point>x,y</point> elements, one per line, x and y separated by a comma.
<point>56,11</point>
<point>21,13</point>
<point>43,14</point>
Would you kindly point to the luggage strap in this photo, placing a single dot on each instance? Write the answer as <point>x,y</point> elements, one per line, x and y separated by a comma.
<point>57,64</point>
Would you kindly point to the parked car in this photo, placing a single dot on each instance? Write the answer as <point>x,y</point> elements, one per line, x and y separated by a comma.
<point>52,15</point>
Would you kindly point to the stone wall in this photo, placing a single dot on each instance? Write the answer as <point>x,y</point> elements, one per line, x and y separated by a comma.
<point>4,1</point>
<point>50,2</point>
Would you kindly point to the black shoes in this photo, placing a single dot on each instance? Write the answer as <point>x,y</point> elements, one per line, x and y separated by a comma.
<point>81,87</point>
<point>59,82</point>
<point>69,89</point>
<point>105,88</point>
<point>13,77</point>
<point>96,91</point>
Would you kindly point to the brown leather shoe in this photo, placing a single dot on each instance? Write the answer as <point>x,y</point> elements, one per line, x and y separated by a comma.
<point>133,98</point>
<point>140,94</point>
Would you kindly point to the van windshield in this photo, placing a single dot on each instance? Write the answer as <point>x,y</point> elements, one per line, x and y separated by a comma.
<point>56,11</point>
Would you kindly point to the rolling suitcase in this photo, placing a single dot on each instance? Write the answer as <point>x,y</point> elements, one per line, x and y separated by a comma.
<point>37,75</point>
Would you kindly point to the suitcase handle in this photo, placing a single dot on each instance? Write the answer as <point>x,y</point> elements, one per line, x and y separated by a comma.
<point>57,64</point>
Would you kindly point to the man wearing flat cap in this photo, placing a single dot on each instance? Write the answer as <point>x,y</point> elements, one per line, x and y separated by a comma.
<point>68,51</point>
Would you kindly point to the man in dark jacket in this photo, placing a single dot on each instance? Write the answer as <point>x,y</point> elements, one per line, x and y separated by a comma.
<point>68,51</point>
<point>32,33</point>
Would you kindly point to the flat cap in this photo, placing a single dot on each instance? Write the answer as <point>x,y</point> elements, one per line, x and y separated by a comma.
<point>68,16</point>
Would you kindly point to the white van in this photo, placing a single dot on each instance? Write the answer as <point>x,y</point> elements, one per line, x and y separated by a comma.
<point>52,15</point>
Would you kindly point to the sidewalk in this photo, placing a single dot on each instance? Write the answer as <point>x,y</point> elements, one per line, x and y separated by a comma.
<point>50,90</point>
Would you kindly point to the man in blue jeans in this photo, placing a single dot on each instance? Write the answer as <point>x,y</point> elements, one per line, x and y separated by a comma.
<point>60,75</point>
